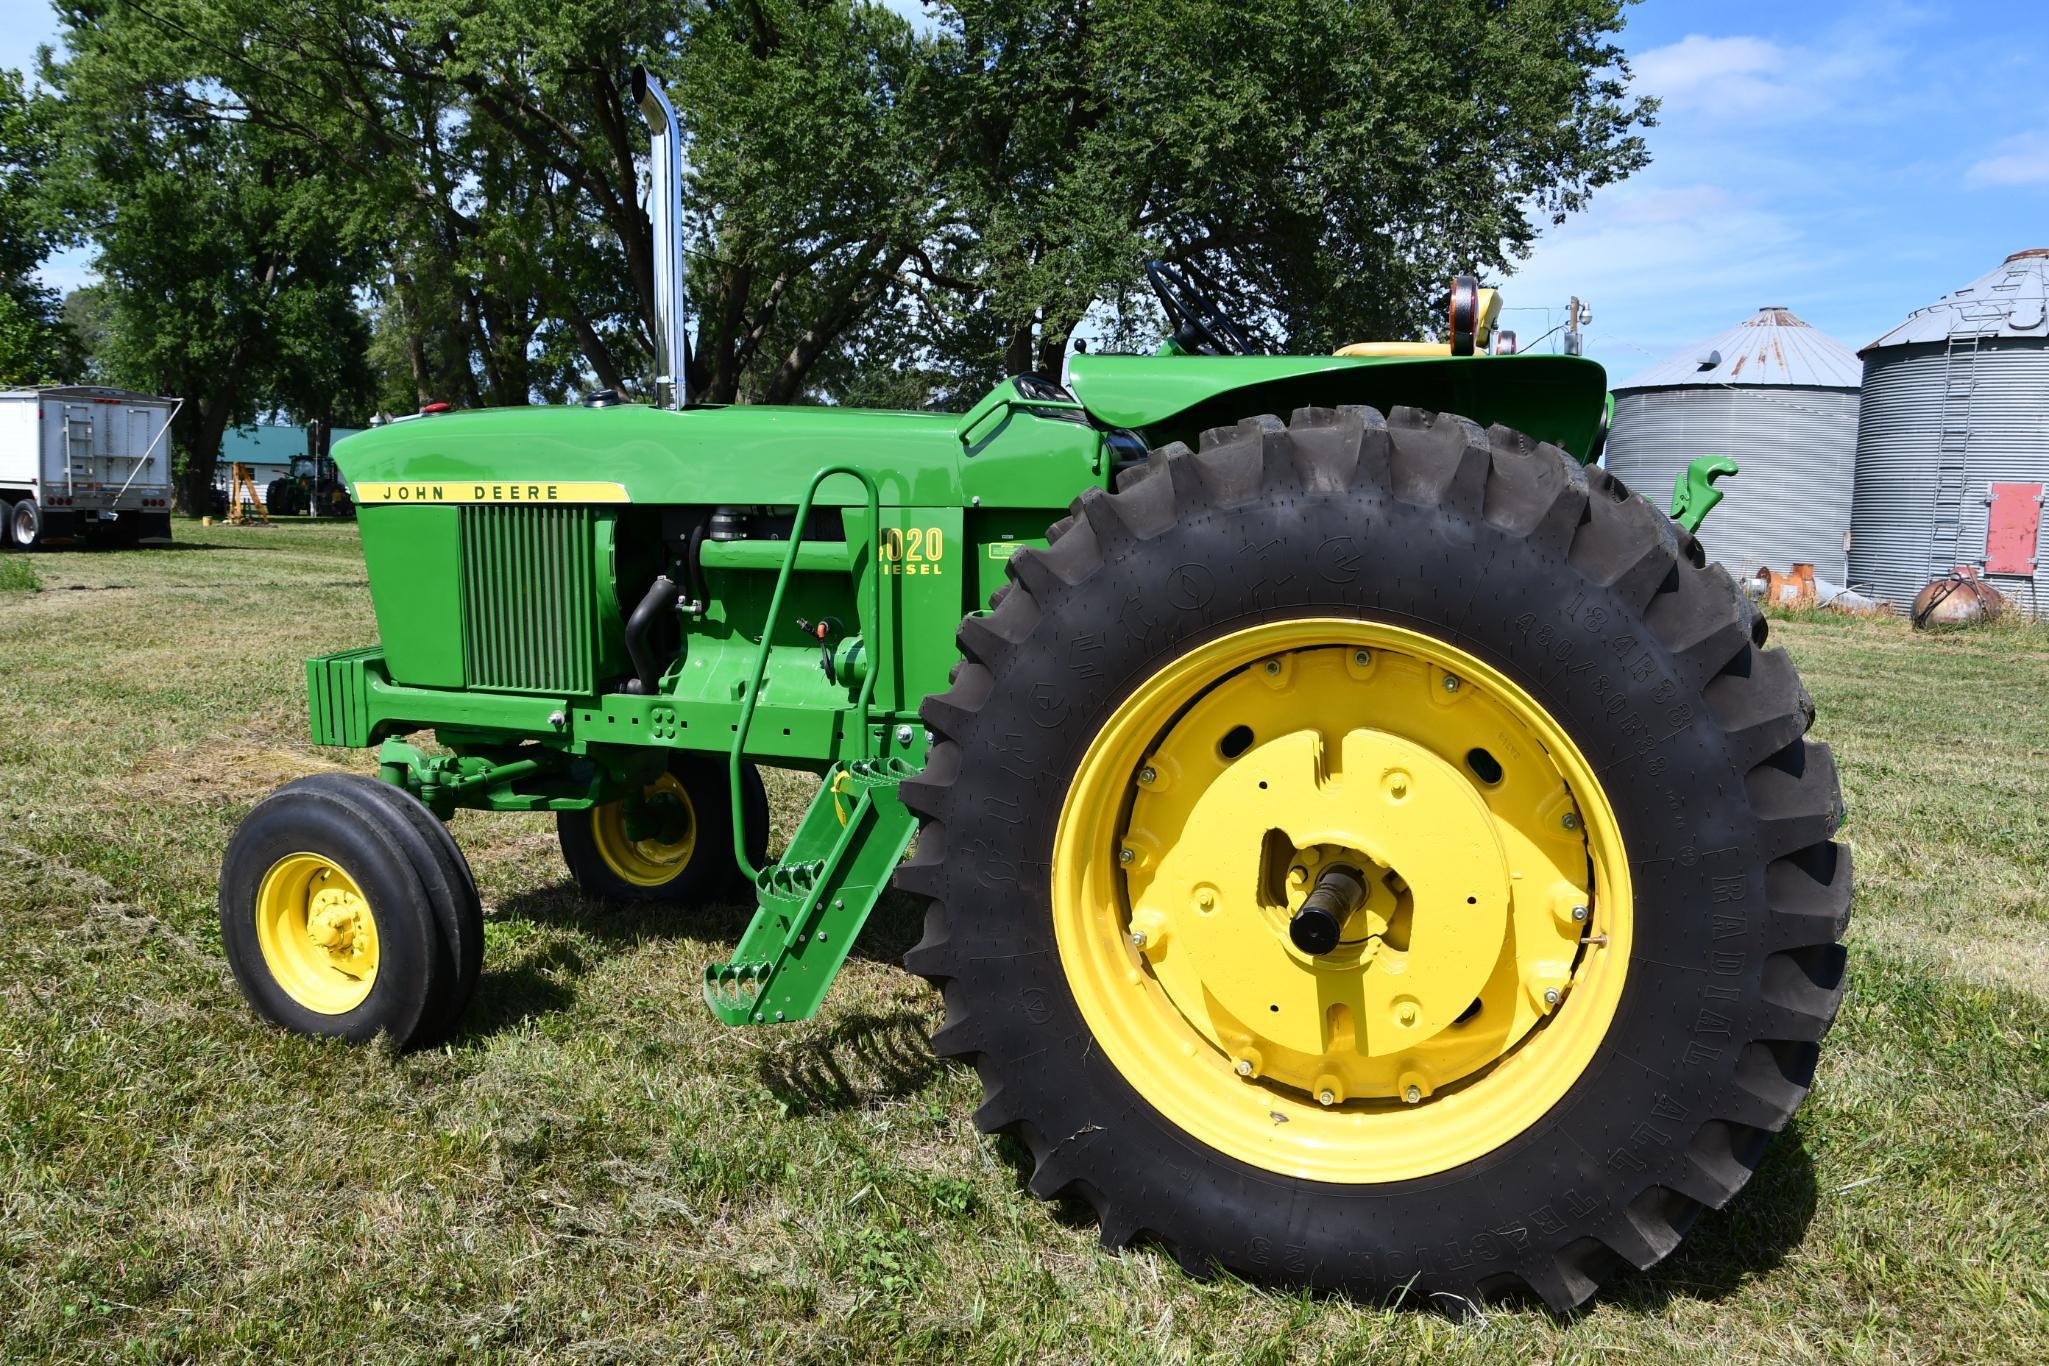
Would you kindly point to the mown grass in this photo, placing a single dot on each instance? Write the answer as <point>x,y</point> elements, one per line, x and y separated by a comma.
<point>17,575</point>
<point>596,1170</point>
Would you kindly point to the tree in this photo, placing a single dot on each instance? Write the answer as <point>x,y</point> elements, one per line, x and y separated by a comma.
<point>229,278</point>
<point>35,344</point>
<point>885,211</point>
<point>1324,165</point>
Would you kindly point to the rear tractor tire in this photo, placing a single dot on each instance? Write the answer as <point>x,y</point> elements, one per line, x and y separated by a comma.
<point>673,842</point>
<point>1439,898</point>
<point>348,911</point>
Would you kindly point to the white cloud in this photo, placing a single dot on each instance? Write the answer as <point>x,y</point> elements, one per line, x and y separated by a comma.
<point>1666,265</point>
<point>1698,72</point>
<point>1647,206</point>
<point>2022,160</point>
<point>1746,78</point>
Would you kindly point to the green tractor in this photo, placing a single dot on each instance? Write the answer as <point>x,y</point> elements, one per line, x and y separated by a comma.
<point>1363,844</point>
<point>314,488</point>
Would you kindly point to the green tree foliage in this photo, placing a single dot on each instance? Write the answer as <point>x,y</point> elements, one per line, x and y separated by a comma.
<point>879,210</point>
<point>35,345</point>
<point>229,280</point>
<point>1324,165</point>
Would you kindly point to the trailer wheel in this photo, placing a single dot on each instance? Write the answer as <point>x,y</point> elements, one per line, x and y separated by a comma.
<point>1379,855</point>
<point>345,915</point>
<point>25,524</point>
<point>672,842</point>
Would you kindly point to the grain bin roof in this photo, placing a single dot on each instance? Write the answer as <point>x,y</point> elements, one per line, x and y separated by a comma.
<point>1772,349</point>
<point>2010,300</point>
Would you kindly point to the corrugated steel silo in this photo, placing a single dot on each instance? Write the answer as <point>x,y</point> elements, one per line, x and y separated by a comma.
<point>1778,396</point>
<point>1956,415</point>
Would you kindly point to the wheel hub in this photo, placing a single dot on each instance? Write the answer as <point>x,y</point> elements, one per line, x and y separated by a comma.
<point>1358,882</point>
<point>334,921</point>
<point>317,933</point>
<point>648,839</point>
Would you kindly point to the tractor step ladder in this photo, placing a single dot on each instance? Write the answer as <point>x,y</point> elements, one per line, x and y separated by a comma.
<point>812,903</point>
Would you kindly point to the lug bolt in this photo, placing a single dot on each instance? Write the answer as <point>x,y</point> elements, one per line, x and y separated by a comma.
<point>1407,1014</point>
<point>1326,1097</point>
<point>1413,1096</point>
<point>1148,775</point>
<point>1550,996</point>
<point>1362,657</point>
<point>1273,667</point>
<point>1450,684</point>
<point>1126,854</point>
<point>1579,914</point>
<point>1572,820</point>
<point>1138,939</point>
<point>1243,1067</point>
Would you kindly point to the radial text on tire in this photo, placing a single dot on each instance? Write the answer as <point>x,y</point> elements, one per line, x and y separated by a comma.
<point>1574,940</point>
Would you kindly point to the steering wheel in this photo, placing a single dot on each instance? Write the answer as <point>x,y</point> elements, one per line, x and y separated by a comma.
<point>1200,323</point>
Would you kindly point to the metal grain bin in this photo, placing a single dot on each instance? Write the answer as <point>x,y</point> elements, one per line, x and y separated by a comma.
<point>1778,396</point>
<point>1953,453</point>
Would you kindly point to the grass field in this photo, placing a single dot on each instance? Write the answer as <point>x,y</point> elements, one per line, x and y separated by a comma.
<point>596,1170</point>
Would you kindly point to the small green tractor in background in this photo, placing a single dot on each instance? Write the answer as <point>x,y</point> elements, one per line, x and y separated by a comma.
<point>1364,845</point>
<point>314,487</point>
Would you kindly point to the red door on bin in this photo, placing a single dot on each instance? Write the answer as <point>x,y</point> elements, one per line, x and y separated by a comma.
<point>2011,529</point>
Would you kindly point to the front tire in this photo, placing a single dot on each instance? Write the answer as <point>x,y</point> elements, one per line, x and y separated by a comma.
<point>1575,997</point>
<point>347,911</point>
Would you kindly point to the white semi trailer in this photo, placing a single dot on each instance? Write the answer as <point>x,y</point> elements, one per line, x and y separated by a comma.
<point>79,460</point>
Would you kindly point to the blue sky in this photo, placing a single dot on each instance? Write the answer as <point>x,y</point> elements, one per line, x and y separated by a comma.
<point>1848,159</point>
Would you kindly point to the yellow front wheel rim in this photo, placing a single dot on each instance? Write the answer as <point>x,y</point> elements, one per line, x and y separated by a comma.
<point>660,859</point>
<point>1474,980</point>
<point>318,933</point>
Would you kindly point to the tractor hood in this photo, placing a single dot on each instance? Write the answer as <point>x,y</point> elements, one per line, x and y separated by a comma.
<point>745,455</point>
<point>1553,398</point>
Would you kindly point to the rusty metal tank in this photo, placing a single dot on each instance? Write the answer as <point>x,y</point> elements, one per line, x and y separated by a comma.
<point>1957,599</point>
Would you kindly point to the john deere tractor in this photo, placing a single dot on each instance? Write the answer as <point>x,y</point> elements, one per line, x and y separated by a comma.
<point>1363,844</point>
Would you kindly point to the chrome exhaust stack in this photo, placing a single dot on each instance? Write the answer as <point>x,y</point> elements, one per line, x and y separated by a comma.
<point>665,216</point>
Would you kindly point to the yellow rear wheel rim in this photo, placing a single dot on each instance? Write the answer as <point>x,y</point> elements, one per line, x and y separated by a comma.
<point>317,932</point>
<point>650,862</point>
<point>1472,986</point>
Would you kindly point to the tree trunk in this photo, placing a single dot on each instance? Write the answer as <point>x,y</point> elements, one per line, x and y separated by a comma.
<point>1017,356</point>
<point>203,453</point>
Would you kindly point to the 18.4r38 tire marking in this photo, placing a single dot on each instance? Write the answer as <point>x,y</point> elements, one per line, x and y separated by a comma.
<point>1664,777</point>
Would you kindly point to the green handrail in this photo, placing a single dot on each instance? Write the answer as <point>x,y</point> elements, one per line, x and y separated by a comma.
<point>775,611</point>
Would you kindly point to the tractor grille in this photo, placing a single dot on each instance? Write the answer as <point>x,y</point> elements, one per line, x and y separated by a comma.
<point>529,607</point>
